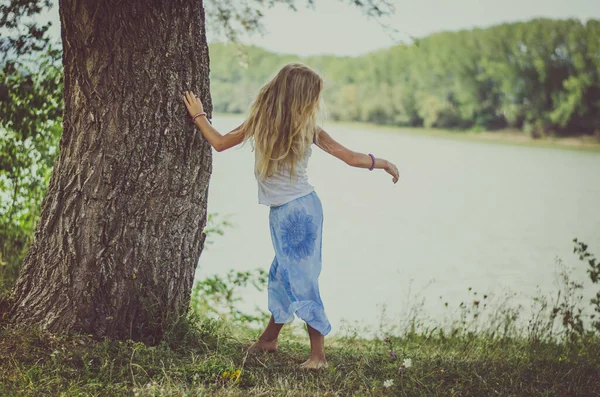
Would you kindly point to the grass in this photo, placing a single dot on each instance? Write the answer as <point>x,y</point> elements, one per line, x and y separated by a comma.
<point>484,351</point>
<point>193,360</point>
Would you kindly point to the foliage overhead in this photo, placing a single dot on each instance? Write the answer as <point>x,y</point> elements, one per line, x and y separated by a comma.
<point>232,18</point>
<point>23,35</point>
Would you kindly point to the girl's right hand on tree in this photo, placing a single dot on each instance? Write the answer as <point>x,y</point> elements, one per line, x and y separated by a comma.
<point>393,171</point>
<point>192,103</point>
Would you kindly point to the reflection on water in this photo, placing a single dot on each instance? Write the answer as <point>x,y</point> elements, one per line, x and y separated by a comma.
<point>464,214</point>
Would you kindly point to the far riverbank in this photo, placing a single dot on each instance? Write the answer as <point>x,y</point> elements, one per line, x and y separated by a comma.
<point>585,142</point>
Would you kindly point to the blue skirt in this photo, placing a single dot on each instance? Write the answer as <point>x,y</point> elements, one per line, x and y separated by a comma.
<point>293,286</point>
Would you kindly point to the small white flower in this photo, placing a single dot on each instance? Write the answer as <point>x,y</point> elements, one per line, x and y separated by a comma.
<point>388,383</point>
<point>407,362</point>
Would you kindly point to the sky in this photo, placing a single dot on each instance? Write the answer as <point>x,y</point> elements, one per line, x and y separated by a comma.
<point>335,27</point>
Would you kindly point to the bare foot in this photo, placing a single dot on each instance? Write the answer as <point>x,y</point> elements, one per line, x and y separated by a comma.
<point>314,364</point>
<point>263,346</point>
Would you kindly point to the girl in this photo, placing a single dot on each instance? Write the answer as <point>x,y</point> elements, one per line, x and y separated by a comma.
<point>281,126</point>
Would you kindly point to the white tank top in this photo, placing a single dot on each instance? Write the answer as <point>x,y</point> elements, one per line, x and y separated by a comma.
<point>279,189</point>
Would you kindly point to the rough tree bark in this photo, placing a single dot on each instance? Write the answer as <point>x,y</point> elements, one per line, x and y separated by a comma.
<point>121,226</point>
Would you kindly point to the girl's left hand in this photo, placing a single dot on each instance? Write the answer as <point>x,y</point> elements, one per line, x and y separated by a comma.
<point>192,103</point>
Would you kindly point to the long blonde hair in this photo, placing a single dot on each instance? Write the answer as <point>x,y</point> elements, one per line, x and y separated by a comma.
<point>281,122</point>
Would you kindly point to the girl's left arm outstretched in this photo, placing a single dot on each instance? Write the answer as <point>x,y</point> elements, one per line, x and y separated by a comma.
<point>214,137</point>
<point>354,159</point>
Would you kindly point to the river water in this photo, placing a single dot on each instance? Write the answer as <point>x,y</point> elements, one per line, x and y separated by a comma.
<point>464,214</point>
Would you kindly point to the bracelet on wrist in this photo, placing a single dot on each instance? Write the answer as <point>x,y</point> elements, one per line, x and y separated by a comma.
<point>372,162</point>
<point>198,115</point>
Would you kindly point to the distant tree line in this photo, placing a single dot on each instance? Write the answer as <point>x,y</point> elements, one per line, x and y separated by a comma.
<point>541,77</point>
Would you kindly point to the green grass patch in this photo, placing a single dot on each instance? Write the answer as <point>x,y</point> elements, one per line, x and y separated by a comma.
<point>208,357</point>
<point>483,350</point>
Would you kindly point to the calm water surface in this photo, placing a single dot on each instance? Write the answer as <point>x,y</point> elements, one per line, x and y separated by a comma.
<point>464,214</point>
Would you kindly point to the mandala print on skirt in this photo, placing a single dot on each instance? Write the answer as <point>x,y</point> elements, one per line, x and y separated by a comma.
<point>293,287</point>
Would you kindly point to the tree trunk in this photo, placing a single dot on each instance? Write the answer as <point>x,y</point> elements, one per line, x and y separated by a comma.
<point>121,226</point>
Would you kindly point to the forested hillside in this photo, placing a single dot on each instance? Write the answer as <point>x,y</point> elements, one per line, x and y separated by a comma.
<point>541,77</point>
